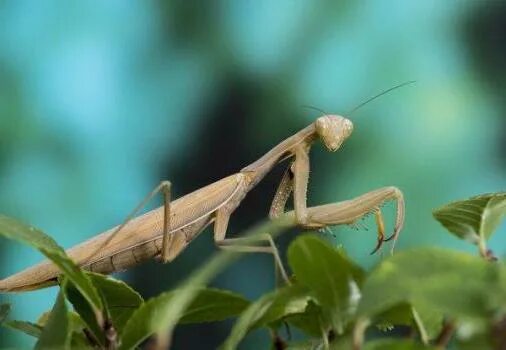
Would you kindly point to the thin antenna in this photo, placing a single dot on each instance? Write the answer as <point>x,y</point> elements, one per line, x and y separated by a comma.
<point>381,94</point>
<point>315,108</point>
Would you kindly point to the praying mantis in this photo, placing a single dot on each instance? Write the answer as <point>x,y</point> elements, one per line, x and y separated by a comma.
<point>165,232</point>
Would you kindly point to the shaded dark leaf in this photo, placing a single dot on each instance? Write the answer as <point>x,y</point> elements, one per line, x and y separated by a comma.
<point>120,299</point>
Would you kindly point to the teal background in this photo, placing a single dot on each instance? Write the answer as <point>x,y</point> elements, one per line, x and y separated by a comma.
<point>99,101</point>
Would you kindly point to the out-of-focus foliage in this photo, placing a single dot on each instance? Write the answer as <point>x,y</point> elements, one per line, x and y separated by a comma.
<point>330,300</point>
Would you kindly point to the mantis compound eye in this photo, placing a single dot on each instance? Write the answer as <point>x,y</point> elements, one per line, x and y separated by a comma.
<point>347,127</point>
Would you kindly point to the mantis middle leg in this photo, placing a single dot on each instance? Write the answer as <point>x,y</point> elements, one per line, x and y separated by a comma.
<point>243,244</point>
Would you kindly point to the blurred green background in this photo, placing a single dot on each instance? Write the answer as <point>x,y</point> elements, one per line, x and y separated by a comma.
<point>99,101</point>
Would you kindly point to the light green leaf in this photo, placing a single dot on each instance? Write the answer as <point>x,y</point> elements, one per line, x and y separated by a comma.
<point>270,307</point>
<point>473,219</point>
<point>77,326</point>
<point>56,332</point>
<point>456,284</point>
<point>15,230</point>
<point>161,314</point>
<point>326,271</point>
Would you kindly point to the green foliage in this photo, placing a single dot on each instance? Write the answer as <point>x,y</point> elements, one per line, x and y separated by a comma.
<point>332,301</point>
<point>474,219</point>
<point>29,235</point>
<point>56,332</point>
<point>269,308</point>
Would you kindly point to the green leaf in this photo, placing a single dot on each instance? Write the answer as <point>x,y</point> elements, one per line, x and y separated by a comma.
<point>4,311</point>
<point>120,299</point>
<point>456,284</point>
<point>161,314</point>
<point>473,219</point>
<point>56,333</point>
<point>397,315</point>
<point>29,328</point>
<point>430,321</point>
<point>270,307</point>
<point>15,230</point>
<point>77,326</point>
<point>333,278</point>
<point>427,321</point>
<point>212,305</point>
<point>481,341</point>
<point>311,321</point>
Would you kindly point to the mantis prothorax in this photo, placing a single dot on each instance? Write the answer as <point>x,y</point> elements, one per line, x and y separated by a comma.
<point>164,232</point>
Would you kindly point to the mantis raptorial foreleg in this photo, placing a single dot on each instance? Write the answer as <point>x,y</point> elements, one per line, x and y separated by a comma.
<point>300,182</point>
<point>282,194</point>
<point>350,211</point>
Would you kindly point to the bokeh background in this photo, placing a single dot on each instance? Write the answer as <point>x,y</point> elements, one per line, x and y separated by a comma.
<point>100,100</point>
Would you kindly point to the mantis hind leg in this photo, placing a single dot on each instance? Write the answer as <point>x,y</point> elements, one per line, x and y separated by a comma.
<point>164,187</point>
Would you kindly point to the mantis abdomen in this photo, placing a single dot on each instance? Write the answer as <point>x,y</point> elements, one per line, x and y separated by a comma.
<point>140,239</point>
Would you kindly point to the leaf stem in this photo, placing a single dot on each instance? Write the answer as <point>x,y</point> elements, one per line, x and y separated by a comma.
<point>445,335</point>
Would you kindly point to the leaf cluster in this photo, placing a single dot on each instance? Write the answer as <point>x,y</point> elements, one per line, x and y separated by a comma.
<point>421,298</point>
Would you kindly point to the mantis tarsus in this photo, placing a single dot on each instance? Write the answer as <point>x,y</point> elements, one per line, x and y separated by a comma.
<point>164,232</point>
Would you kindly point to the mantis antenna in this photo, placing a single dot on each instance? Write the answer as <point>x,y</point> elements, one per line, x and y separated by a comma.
<point>384,92</point>
<point>381,94</point>
<point>315,108</point>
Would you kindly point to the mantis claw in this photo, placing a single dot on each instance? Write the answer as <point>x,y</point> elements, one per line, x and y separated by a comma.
<point>378,246</point>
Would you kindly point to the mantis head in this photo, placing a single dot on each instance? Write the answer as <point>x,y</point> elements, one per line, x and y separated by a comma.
<point>333,130</point>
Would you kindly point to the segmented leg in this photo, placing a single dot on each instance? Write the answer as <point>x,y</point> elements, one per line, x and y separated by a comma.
<point>244,244</point>
<point>163,187</point>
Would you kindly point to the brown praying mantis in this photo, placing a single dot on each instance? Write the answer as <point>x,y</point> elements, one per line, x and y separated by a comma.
<point>164,232</point>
